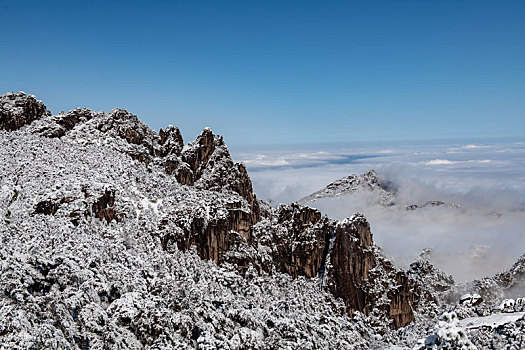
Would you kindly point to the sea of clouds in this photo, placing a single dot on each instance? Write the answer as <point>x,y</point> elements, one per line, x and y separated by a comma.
<point>485,178</point>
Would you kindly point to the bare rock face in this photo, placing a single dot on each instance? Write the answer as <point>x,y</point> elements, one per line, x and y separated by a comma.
<point>104,206</point>
<point>47,207</point>
<point>362,277</point>
<point>199,152</point>
<point>91,202</point>
<point>221,229</point>
<point>351,260</point>
<point>403,299</point>
<point>344,258</point>
<point>300,240</point>
<point>19,109</point>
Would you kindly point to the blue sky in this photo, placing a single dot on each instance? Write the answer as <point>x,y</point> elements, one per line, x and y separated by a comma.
<point>278,72</point>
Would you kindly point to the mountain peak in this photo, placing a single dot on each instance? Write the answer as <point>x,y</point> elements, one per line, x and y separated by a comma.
<point>353,183</point>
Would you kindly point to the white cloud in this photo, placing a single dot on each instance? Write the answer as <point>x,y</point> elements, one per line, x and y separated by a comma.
<point>440,162</point>
<point>455,162</point>
<point>487,183</point>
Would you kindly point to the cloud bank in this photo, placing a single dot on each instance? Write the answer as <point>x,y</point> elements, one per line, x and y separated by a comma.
<point>484,236</point>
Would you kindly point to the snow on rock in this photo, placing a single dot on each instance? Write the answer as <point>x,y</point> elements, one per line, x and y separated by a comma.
<point>492,321</point>
<point>351,184</point>
<point>431,278</point>
<point>504,285</point>
<point>447,334</point>
<point>376,189</point>
<point>432,204</point>
<point>114,236</point>
<point>507,305</point>
<point>19,109</point>
<point>470,299</point>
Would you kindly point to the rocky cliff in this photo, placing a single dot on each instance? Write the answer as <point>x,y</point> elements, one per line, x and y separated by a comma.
<point>111,201</point>
<point>343,257</point>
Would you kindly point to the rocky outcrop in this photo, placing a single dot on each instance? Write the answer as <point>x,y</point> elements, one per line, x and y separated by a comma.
<point>299,239</point>
<point>19,109</point>
<point>209,166</point>
<point>403,300</point>
<point>359,275</point>
<point>215,233</point>
<point>51,206</point>
<point>58,125</point>
<point>506,284</point>
<point>342,255</point>
<point>302,242</point>
<point>93,202</point>
<point>205,163</point>
<point>104,206</point>
<point>199,152</point>
<point>515,277</point>
<point>172,144</point>
<point>351,260</point>
<point>428,275</point>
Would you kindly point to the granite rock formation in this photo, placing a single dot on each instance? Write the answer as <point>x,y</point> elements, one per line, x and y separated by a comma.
<point>303,242</point>
<point>19,109</point>
<point>109,185</point>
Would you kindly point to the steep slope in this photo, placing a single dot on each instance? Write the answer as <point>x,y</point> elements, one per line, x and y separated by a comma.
<point>104,224</point>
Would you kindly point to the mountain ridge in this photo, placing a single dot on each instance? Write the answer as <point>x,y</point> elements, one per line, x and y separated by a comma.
<point>383,192</point>
<point>115,236</point>
<point>353,183</point>
<point>104,184</point>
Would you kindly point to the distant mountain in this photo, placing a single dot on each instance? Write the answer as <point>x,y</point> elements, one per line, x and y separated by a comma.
<point>370,183</point>
<point>432,204</point>
<point>351,184</point>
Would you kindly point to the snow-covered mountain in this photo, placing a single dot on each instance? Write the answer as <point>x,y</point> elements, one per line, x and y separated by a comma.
<point>382,190</point>
<point>118,237</point>
<point>376,189</point>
